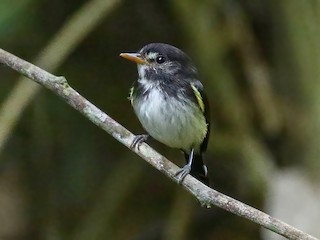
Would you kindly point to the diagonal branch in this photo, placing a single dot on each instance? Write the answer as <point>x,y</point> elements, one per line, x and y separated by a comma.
<point>208,197</point>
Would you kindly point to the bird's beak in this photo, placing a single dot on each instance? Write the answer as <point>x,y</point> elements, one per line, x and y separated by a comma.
<point>135,57</point>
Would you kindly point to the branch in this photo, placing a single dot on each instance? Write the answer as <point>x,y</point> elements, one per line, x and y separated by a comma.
<point>207,197</point>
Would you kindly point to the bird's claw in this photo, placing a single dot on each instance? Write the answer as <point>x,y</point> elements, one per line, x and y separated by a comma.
<point>183,172</point>
<point>138,139</point>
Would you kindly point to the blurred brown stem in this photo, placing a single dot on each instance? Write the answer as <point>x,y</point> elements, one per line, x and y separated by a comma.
<point>98,222</point>
<point>50,58</point>
<point>255,69</point>
<point>207,197</point>
<point>178,226</point>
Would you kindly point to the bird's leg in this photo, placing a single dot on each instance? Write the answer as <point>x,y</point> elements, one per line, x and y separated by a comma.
<point>138,139</point>
<point>186,169</point>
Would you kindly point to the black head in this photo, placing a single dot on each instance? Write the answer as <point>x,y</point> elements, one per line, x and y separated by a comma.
<point>161,53</point>
<point>166,59</point>
<point>162,61</point>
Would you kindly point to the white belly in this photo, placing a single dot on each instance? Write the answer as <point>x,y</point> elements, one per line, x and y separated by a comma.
<point>170,122</point>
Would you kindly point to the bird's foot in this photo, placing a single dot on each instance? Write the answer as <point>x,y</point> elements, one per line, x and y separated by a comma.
<point>138,139</point>
<point>183,172</point>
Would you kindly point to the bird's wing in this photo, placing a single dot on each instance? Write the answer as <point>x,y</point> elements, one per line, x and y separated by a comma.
<point>203,104</point>
<point>130,96</point>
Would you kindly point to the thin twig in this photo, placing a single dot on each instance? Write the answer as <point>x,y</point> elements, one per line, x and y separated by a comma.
<point>207,197</point>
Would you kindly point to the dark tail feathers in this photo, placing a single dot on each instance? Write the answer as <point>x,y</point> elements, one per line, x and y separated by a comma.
<point>198,169</point>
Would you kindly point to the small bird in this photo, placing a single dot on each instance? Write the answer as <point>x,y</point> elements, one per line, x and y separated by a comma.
<point>170,102</point>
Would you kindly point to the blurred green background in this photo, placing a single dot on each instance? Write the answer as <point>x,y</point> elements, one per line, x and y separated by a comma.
<point>63,178</point>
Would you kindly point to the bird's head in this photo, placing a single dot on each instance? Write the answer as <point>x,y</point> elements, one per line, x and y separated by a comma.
<point>161,61</point>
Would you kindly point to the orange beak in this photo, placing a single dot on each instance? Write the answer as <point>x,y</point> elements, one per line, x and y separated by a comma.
<point>135,57</point>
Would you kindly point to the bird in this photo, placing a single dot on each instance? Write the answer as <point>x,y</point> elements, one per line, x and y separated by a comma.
<point>171,105</point>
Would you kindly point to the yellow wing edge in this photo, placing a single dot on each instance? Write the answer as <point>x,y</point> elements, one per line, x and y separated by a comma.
<point>198,97</point>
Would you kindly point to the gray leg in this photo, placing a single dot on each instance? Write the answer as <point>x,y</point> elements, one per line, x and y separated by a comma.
<point>186,169</point>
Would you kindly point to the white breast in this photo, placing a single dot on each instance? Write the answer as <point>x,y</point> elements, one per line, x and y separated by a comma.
<point>169,121</point>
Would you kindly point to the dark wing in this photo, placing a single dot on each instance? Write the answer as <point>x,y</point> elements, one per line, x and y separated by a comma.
<point>130,96</point>
<point>202,101</point>
<point>135,90</point>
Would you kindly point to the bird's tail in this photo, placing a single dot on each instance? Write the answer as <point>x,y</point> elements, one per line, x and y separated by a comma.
<point>198,168</point>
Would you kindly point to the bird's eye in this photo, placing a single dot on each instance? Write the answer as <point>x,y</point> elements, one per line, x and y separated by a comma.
<point>160,59</point>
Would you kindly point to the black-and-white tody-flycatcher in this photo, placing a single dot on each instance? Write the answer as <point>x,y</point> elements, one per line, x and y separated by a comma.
<point>170,102</point>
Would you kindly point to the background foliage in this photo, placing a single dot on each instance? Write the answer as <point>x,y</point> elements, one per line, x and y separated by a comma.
<point>63,178</point>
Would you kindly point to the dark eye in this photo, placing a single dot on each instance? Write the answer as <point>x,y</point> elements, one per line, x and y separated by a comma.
<point>160,59</point>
